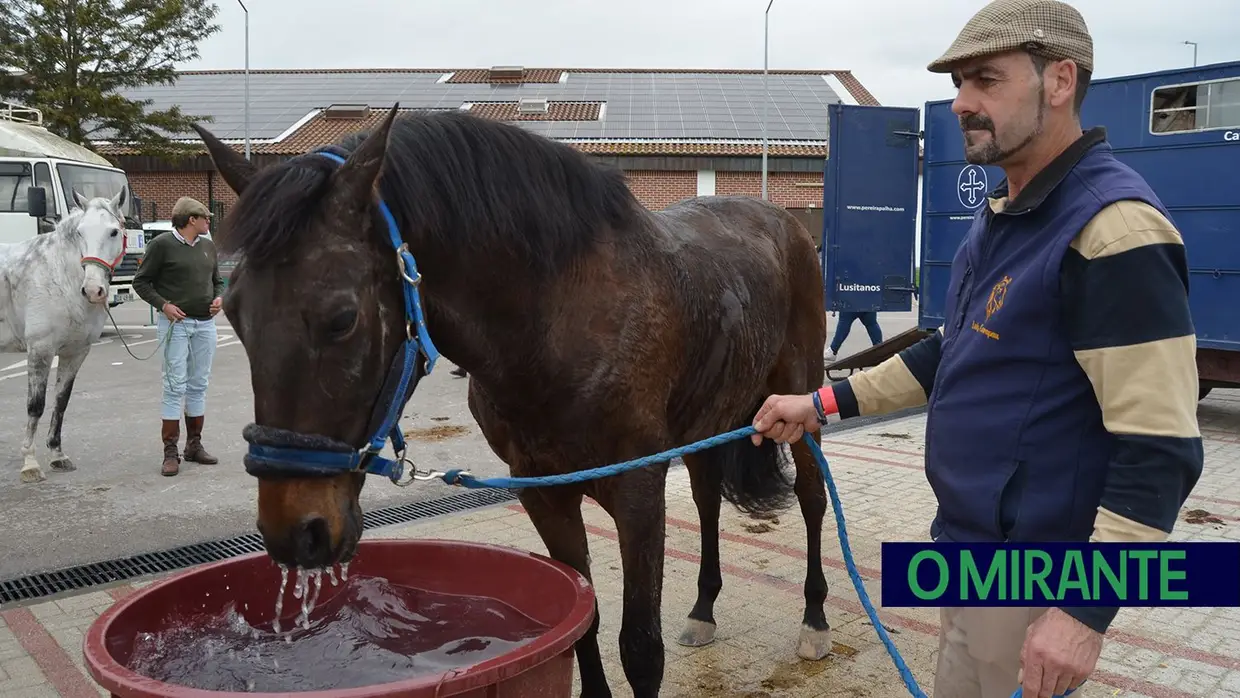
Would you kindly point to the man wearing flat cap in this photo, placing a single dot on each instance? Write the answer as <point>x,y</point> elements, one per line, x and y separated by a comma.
<point>1061,390</point>
<point>180,277</point>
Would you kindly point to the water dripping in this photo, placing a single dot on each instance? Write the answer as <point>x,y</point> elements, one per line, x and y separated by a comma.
<point>275,625</point>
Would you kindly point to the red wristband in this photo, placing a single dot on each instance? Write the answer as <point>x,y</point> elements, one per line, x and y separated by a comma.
<point>826,395</point>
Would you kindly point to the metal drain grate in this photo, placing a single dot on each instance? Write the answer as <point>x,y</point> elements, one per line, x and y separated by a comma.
<point>86,576</point>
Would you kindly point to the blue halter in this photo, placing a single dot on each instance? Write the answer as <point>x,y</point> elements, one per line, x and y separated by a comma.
<point>278,452</point>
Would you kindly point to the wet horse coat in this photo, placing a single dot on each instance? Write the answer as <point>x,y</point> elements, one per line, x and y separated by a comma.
<point>593,331</point>
<point>53,295</point>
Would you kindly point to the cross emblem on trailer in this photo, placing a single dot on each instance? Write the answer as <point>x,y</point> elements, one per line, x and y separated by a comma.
<point>970,185</point>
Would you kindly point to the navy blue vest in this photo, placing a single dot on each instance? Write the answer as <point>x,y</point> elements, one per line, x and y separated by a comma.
<point>1015,443</point>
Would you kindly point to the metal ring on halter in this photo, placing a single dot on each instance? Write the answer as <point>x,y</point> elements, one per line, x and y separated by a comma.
<point>400,263</point>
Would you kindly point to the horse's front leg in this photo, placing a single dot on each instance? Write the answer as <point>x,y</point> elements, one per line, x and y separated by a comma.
<point>38,366</point>
<point>556,515</point>
<point>638,503</point>
<point>66,374</point>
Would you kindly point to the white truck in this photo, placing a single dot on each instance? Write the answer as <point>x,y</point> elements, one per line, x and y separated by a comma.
<point>39,171</point>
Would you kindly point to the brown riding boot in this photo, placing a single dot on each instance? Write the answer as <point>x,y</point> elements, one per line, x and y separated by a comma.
<point>193,443</point>
<point>171,433</point>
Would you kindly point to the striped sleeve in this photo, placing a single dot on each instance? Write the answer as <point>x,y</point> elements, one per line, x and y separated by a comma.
<point>1125,287</point>
<point>901,382</point>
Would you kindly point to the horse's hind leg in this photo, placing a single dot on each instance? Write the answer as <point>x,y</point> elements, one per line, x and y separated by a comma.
<point>815,638</point>
<point>38,366</point>
<point>556,516</point>
<point>66,374</point>
<point>707,495</point>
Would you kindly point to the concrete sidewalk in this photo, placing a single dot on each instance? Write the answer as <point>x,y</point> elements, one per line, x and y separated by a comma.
<point>1180,653</point>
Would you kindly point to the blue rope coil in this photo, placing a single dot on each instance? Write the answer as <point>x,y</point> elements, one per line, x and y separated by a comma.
<point>463,479</point>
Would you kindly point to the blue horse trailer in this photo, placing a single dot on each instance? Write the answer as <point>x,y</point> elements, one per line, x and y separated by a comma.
<point>1179,128</point>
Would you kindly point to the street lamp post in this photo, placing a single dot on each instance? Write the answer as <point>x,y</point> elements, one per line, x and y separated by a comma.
<point>247,78</point>
<point>766,43</point>
<point>1194,45</point>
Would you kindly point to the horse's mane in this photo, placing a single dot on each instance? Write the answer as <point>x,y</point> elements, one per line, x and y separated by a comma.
<point>467,182</point>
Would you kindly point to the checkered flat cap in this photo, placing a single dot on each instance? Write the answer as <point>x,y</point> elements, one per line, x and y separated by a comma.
<point>1045,27</point>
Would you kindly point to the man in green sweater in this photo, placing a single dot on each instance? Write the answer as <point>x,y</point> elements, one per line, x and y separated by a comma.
<point>180,277</point>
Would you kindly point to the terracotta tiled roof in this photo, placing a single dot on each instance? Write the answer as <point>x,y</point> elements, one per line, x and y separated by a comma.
<point>595,147</point>
<point>482,75</point>
<point>321,130</point>
<point>556,111</point>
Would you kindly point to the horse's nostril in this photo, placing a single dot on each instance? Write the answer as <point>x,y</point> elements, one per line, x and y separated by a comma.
<point>84,292</point>
<point>314,539</point>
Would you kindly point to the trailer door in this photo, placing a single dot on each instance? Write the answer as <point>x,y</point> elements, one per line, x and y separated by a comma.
<point>870,208</point>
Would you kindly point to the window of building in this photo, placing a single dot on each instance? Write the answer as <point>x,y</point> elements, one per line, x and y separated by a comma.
<point>1203,106</point>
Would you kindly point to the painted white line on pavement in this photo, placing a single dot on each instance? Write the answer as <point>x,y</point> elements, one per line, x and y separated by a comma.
<point>228,344</point>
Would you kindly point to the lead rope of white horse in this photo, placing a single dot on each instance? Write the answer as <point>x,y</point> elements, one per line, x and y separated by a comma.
<point>126,344</point>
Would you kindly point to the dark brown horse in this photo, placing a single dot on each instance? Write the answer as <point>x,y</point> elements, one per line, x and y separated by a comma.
<point>593,331</point>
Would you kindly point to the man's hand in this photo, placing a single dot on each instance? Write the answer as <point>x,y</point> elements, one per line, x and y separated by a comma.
<point>173,313</point>
<point>1059,654</point>
<point>785,418</point>
<point>216,305</point>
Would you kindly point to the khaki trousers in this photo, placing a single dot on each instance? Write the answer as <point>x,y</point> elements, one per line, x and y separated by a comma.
<point>979,651</point>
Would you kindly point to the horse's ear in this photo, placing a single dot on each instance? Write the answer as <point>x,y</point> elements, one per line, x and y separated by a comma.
<point>233,167</point>
<point>79,199</point>
<point>119,200</point>
<point>359,175</point>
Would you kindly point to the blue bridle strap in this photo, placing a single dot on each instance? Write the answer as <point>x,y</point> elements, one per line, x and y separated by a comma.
<point>284,459</point>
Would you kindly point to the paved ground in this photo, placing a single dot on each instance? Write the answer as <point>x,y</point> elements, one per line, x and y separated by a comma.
<point>116,503</point>
<point>1161,653</point>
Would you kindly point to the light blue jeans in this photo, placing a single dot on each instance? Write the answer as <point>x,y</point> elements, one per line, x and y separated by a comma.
<point>187,354</point>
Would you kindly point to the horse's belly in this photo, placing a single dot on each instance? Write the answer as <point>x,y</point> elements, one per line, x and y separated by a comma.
<point>11,341</point>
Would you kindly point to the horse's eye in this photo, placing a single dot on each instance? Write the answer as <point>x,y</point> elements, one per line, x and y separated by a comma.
<point>115,232</point>
<point>342,322</point>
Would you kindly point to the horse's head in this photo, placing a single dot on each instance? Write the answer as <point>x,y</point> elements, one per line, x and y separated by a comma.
<point>101,231</point>
<point>316,301</point>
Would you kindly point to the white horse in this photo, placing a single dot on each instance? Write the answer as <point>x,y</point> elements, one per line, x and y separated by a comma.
<point>53,303</point>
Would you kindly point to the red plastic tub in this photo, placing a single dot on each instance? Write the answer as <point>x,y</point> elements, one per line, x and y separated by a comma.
<point>546,591</point>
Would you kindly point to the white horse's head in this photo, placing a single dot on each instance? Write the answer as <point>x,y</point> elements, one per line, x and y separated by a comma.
<point>102,233</point>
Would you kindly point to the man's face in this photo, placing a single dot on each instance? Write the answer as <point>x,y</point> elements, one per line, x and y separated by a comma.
<point>1001,103</point>
<point>202,224</point>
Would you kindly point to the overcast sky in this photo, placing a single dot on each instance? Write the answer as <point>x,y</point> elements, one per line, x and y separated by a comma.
<point>886,43</point>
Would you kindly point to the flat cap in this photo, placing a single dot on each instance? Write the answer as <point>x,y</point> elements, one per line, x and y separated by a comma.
<point>1048,28</point>
<point>186,206</point>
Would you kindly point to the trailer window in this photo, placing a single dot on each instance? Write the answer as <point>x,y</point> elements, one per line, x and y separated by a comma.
<point>1196,107</point>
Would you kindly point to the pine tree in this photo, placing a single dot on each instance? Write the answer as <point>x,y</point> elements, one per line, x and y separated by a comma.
<point>70,59</point>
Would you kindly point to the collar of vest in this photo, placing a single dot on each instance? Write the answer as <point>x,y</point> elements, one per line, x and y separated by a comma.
<point>1044,182</point>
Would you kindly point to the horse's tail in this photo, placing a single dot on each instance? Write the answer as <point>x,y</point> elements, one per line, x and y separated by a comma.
<point>753,477</point>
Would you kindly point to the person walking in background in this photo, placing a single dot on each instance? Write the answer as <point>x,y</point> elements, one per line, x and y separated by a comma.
<point>868,318</point>
<point>180,277</point>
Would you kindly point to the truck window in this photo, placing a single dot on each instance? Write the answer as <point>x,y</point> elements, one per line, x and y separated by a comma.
<point>94,181</point>
<point>14,182</point>
<point>1201,106</point>
<point>43,178</point>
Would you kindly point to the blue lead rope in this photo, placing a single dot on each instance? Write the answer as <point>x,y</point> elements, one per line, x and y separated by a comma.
<point>464,479</point>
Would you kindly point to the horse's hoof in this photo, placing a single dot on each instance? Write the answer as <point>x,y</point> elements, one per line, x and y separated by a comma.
<point>64,465</point>
<point>34,474</point>
<point>696,633</point>
<point>814,644</point>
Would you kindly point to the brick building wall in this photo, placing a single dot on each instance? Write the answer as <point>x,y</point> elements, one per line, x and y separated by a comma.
<point>654,189</point>
<point>162,189</point>
<point>788,189</point>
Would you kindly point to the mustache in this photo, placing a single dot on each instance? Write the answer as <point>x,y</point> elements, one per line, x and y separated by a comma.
<point>977,122</point>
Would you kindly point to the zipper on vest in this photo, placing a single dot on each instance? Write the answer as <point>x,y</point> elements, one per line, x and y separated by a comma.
<point>963,308</point>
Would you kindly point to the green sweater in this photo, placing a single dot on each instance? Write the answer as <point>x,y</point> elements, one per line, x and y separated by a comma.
<point>188,276</point>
